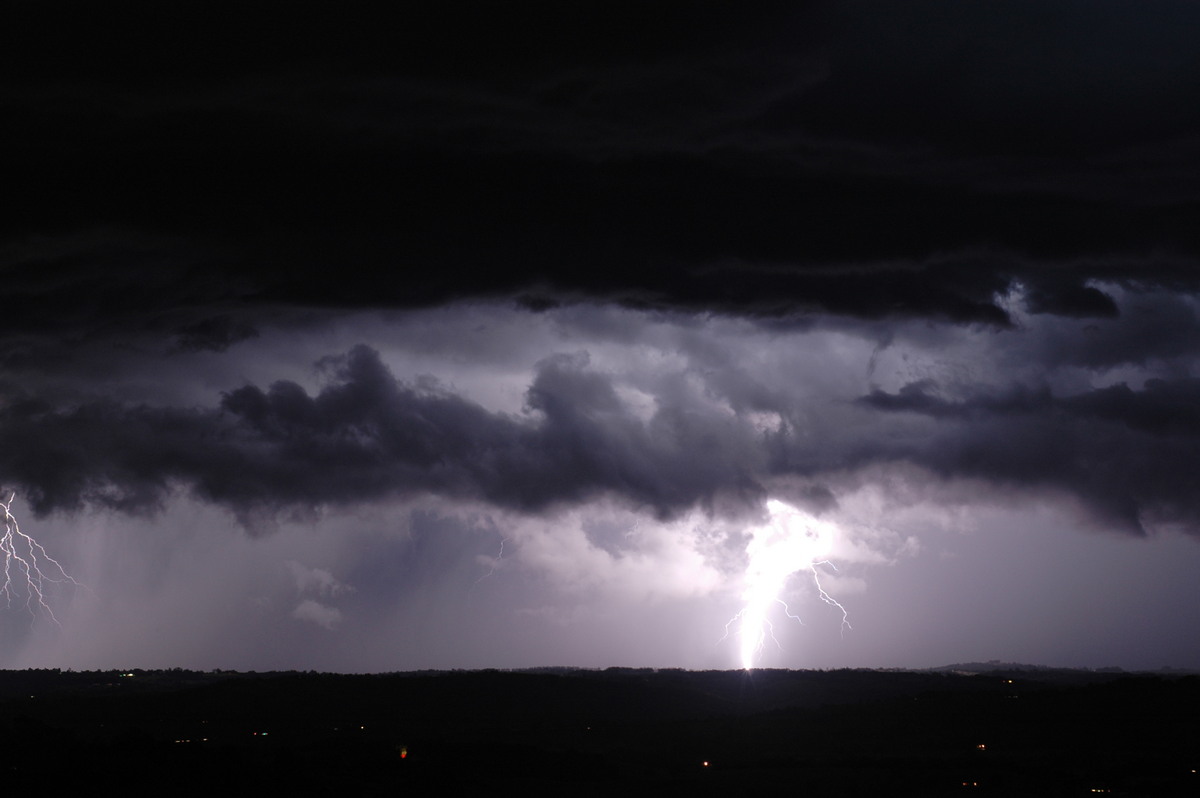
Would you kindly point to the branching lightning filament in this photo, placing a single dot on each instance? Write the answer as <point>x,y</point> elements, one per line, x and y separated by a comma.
<point>791,541</point>
<point>494,562</point>
<point>27,566</point>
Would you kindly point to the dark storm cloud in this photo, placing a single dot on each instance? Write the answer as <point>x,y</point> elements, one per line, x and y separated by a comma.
<point>1069,299</point>
<point>872,160</point>
<point>191,174</point>
<point>1150,327</point>
<point>366,437</point>
<point>214,333</point>
<point>1128,455</point>
<point>115,287</point>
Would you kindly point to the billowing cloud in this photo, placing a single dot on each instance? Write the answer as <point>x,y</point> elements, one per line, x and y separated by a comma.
<point>365,436</point>
<point>713,429</point>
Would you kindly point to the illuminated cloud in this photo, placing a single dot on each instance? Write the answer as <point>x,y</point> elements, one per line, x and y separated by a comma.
<point>315,612</point>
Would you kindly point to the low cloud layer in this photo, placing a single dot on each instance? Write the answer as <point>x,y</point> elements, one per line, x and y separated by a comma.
<point>705,430</point>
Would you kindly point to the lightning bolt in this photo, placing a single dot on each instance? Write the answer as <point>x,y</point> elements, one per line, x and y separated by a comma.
<point>24,559</point>
<point>791,541</point>
<point>495,564</point>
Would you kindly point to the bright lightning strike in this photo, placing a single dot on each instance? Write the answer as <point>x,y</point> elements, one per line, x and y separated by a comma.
<point>24,561</point>
<point>791,541</point>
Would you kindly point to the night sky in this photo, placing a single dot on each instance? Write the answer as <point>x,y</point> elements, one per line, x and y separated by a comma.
<point>480,334</point>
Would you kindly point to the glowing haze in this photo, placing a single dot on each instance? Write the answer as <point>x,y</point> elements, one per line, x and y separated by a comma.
<point>789,542</point>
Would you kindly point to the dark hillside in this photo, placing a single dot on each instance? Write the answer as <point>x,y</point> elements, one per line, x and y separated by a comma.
<point>577,732</point>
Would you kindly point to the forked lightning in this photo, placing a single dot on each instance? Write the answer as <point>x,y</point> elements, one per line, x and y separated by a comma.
<point>24,560</point>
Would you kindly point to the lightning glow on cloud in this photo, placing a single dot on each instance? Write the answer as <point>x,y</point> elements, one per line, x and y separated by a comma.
<point>789,542</point>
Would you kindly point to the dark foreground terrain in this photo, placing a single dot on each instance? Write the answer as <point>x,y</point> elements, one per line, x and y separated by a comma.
<point>574,732</point>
